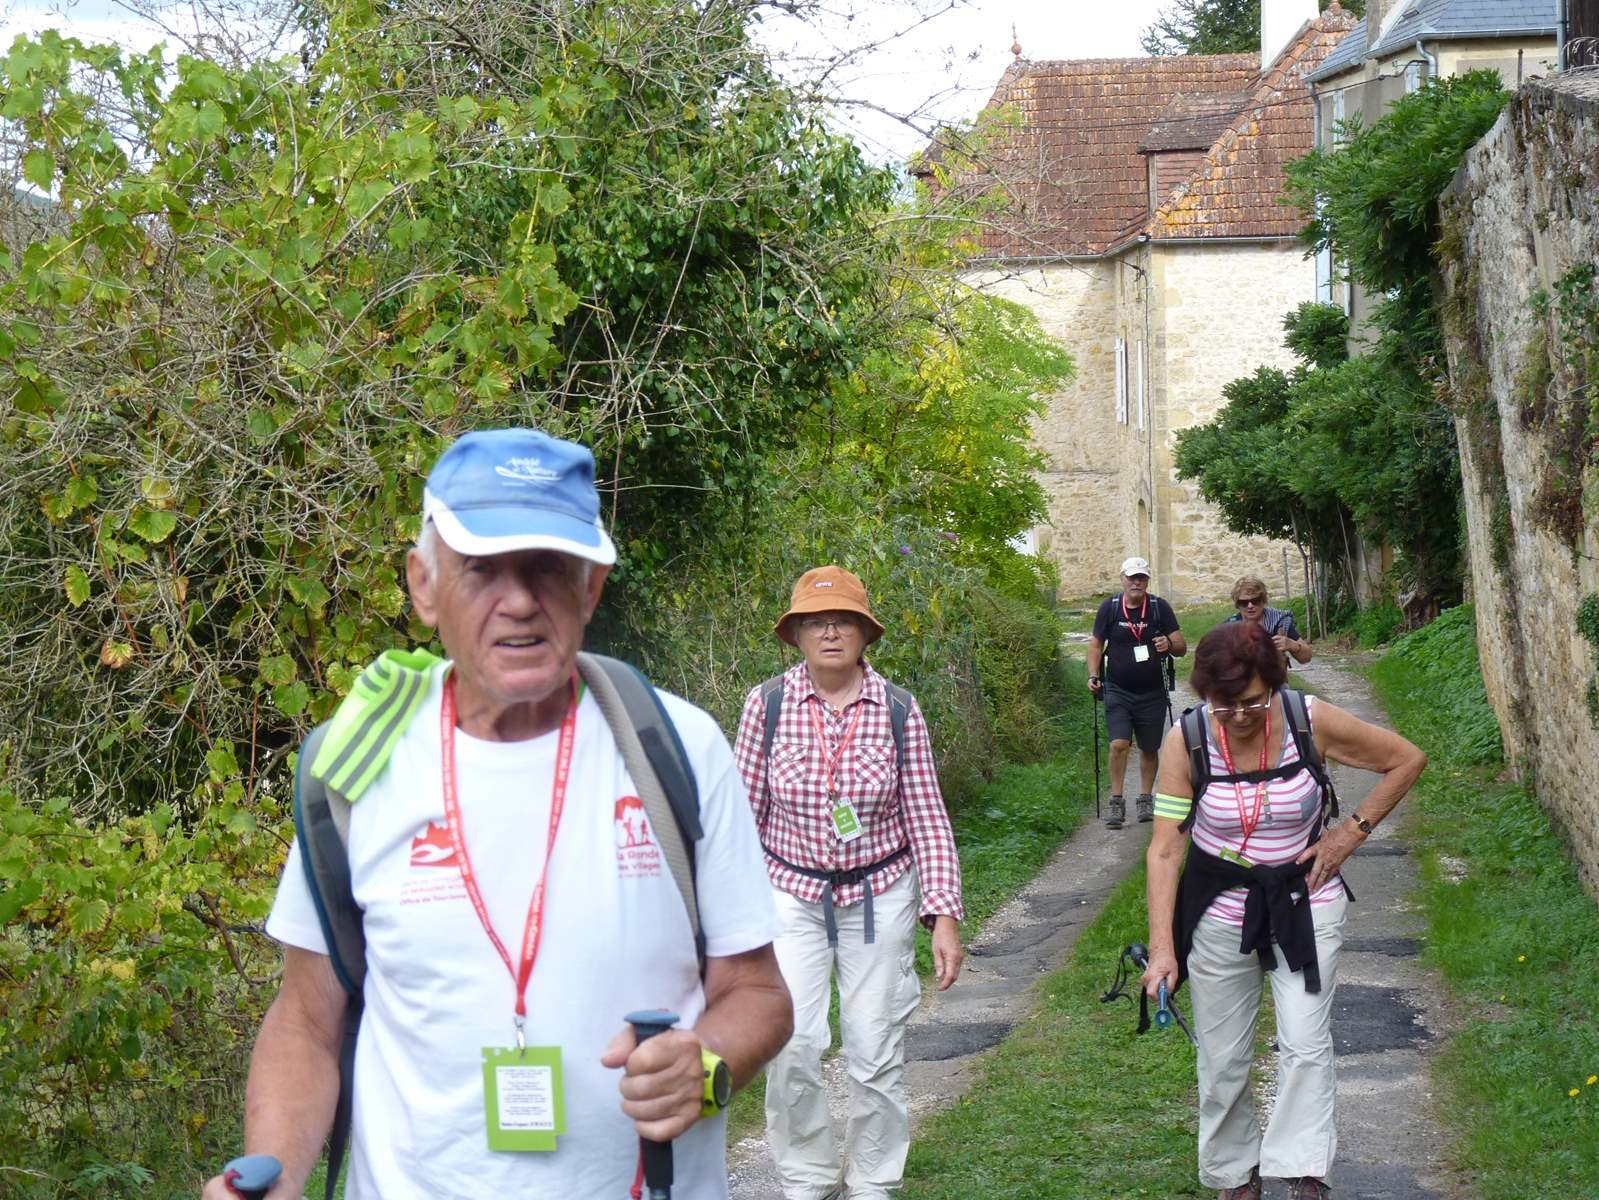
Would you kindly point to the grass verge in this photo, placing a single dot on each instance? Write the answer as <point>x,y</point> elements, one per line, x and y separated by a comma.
<point>1074,1104</point>
<point>1510,928</point>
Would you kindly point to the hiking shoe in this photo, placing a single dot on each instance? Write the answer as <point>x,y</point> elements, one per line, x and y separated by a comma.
<point>1244,1191</point>
<point>1146,807</point>
<point>1118,813</point>
<point>1307,1187</point>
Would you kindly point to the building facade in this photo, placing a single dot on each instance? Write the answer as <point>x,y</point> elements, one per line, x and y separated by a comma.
<point>1146,231</point>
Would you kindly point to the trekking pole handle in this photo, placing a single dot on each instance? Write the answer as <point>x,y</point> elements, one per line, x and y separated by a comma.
<point>252,1175</point>
<point>657,1156</point>
<point>1163,1006</point>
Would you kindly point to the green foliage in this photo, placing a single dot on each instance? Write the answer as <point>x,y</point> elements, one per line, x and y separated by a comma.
<point>1435,670</point>
<point>1376,624</point>
<point>1318,334</point>
<point>269,297</point>
<point>1509,925</point>
<point>1374,200</point>
<point>1212,27</point>
<point>121,1034</point>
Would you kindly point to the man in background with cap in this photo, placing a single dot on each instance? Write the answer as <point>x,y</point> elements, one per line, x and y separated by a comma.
<point>1133,633</point>
<point>513,908</point>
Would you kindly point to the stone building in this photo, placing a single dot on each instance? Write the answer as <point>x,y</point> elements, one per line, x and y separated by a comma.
<point>1146,230</point>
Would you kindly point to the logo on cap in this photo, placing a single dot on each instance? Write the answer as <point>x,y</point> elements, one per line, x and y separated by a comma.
<point>823,583</point>
<point>527,470</point>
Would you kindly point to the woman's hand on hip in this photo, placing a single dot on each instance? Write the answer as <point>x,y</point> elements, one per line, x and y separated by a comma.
<point>947,952</point>
<point>1331,849</point>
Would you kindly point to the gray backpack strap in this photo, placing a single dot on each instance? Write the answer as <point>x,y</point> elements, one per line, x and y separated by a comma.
<point>1298,712</point>
<point>654,758</point>
<point>899,711</point>
<point>322,825</point>
<point>772,699</point>
<point>1196,737</point>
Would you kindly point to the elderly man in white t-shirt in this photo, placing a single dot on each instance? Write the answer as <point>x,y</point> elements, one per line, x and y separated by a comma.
<point>496,860</point>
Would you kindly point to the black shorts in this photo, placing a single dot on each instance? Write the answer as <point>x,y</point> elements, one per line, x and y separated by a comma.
<point>1136,716</point>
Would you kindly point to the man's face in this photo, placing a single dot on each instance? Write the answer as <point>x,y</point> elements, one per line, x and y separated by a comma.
<point>1135,587</point>
<point>513,623</point>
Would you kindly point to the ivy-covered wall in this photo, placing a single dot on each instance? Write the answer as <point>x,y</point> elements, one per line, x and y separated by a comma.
<point>1517,290</point>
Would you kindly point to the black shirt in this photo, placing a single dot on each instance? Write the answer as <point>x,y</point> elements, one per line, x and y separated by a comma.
<point>1119,634</point>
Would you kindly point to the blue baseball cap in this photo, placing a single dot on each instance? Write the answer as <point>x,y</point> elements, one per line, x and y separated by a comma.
<point>495,491</point>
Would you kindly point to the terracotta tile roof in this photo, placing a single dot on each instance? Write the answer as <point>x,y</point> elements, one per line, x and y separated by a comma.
<point>1069,159</point>
<point>1194,122</point>
<point>1069,149</point>
<point>1238,192</point>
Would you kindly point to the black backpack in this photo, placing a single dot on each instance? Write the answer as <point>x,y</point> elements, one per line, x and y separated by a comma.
<point>1196,740</point>
<point>659,767</point>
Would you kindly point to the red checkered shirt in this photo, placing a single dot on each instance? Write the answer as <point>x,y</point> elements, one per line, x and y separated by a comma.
<point>795,819</point>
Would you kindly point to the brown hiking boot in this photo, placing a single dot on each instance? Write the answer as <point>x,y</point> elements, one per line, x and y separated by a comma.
<point>1307,1187</point>
<point>1117,816</point>
<point>1244,1191</point>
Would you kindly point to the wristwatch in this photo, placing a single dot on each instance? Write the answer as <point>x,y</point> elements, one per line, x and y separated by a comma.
<point>718,1084</point>
<point>1362,824</point>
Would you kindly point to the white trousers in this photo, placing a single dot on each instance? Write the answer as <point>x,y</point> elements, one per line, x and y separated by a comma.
<point>878,992</point>
<point>1301,1138</point>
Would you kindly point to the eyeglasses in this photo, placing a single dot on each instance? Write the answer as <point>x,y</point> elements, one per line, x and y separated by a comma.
<point>1238,710</point>
<point>1252,602</point>
<point>830,624</point>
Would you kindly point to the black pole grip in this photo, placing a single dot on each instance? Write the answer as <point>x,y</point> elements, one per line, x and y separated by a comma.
<point>657,1156</point>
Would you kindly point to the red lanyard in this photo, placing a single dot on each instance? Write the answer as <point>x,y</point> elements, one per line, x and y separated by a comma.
<point>1250,821</point>
<point>1136,630</point>
<point>831,761</point>
<point>452,814</point>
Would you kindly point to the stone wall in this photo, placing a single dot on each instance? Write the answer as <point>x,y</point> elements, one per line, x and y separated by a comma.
<point>1219,316</point>
<point>1522,213</point>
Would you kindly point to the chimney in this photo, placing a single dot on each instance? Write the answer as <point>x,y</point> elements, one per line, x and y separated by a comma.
<point>1280,20</point>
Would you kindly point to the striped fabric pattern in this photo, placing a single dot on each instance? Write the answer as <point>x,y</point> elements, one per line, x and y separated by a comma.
<point>1290,811</point>
<point>368,724</point>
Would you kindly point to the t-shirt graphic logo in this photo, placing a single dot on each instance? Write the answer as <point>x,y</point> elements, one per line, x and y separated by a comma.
<point>431,847</point>
<point>637,855</point>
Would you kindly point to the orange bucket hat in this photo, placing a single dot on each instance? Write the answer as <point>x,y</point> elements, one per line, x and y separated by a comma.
<point>828,589</point>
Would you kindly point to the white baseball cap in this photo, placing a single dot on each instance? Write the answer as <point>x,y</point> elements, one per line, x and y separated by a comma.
<point>1136,566</point>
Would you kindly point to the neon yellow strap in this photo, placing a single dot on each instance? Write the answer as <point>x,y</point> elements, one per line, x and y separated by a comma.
<point>1173,808</point>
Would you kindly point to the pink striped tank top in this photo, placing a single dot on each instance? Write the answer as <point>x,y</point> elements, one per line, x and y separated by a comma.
<point>1289,812</point>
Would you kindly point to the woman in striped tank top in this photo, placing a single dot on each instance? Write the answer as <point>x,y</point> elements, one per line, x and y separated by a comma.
<point>1260,893</point>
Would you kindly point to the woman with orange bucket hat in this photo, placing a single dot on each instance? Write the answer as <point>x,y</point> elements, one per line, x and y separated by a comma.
<point>840,772</point>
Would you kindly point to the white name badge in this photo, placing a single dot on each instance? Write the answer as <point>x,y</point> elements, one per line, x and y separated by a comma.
<point>1140,653</point>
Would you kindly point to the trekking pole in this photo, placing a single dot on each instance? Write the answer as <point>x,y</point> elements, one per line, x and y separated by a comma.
<point>252,1175</point>
<point>1165,1011</point>
<point>657,1156</point>
<point>1096,758</point>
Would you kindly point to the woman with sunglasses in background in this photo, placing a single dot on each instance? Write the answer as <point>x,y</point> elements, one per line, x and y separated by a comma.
<point>1249,599</point>
<point>1260,894</point>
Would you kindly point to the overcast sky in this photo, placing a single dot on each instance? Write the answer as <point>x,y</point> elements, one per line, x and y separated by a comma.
<point>902,66</point>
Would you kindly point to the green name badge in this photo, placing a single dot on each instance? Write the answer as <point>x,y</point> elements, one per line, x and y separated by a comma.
<point>845,823</point>
<point>1233,856</point>
<point>522,1094</point>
